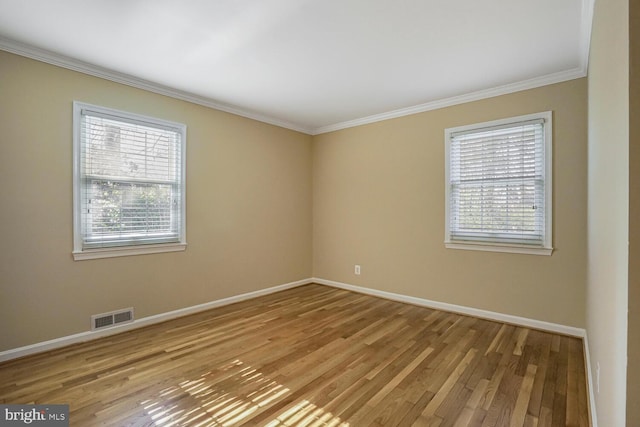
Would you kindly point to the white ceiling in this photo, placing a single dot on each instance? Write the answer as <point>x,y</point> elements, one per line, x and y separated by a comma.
<point>310,65</point>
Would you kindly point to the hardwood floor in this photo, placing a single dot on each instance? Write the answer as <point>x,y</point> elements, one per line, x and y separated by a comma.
<point>312,356</point>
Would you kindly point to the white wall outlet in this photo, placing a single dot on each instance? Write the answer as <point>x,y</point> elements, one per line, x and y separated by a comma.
<point>356,270</point>
<point>598,377</point>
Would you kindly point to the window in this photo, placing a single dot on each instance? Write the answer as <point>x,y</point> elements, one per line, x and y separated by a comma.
<point>498,185</point>
<point>128,183</point>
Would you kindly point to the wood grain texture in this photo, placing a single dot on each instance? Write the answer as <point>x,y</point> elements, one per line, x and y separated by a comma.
<point>312,356</point>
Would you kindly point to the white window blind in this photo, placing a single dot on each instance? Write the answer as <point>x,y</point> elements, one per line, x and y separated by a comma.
<point>497,183</point>
<point>130,179</point>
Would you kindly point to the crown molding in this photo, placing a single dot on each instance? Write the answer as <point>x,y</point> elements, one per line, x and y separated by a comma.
<point>69,63</point>
<point>53,58</point>
<point>586,23</point>
<point>460,99</point>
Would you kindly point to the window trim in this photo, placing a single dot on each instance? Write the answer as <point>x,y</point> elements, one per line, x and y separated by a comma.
<point>547,246</point>
<point>79,253</point>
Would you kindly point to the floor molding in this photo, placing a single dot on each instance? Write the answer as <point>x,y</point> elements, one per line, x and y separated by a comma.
<point>469,311</point>
<point>490,315</point>
<point>364,361</point>
<point>138,323</point>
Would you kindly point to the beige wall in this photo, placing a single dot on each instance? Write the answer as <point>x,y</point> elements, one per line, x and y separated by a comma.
<point>633,333</point>
<point>607,274</point>
<point>378,201</point>
<point>248,208</point>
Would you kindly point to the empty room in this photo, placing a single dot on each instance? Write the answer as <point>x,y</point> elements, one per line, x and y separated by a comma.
<point>306,213</point>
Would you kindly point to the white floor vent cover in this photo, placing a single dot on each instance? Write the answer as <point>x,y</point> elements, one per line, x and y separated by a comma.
<point>107,320</point>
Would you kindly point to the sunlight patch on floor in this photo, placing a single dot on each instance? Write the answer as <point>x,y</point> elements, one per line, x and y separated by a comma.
<point>212,404</point>
<point>305,413</point>
<point>209,403</point>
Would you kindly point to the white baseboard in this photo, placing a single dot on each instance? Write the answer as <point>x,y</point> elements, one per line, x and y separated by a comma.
<point>469,311</point>
<point>490,315</point>
<point>145,321</point>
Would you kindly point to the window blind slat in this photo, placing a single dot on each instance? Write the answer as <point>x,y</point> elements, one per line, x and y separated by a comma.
<point>131,181</point>
<point>504,128</point>
<point>497,184</point>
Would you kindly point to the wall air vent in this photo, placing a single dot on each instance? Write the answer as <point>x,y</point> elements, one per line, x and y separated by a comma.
<point>111,319</point>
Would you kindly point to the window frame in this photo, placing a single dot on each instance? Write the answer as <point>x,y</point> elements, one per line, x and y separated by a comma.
<point>546,248</point>
<point>79,251</point>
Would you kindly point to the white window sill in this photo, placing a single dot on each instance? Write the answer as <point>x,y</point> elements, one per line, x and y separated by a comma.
<point>514,249</point>
<point>128,251</point>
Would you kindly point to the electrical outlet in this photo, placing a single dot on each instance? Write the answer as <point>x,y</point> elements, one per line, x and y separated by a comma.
<point>598,377</point>
<point>356,270</point>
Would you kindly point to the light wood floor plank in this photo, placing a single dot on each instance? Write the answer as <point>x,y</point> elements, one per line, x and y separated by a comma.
<point>312,356</point>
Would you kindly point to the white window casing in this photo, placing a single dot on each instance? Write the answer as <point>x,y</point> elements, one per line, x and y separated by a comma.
<point>128,183</point>
<point>498,185</point>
